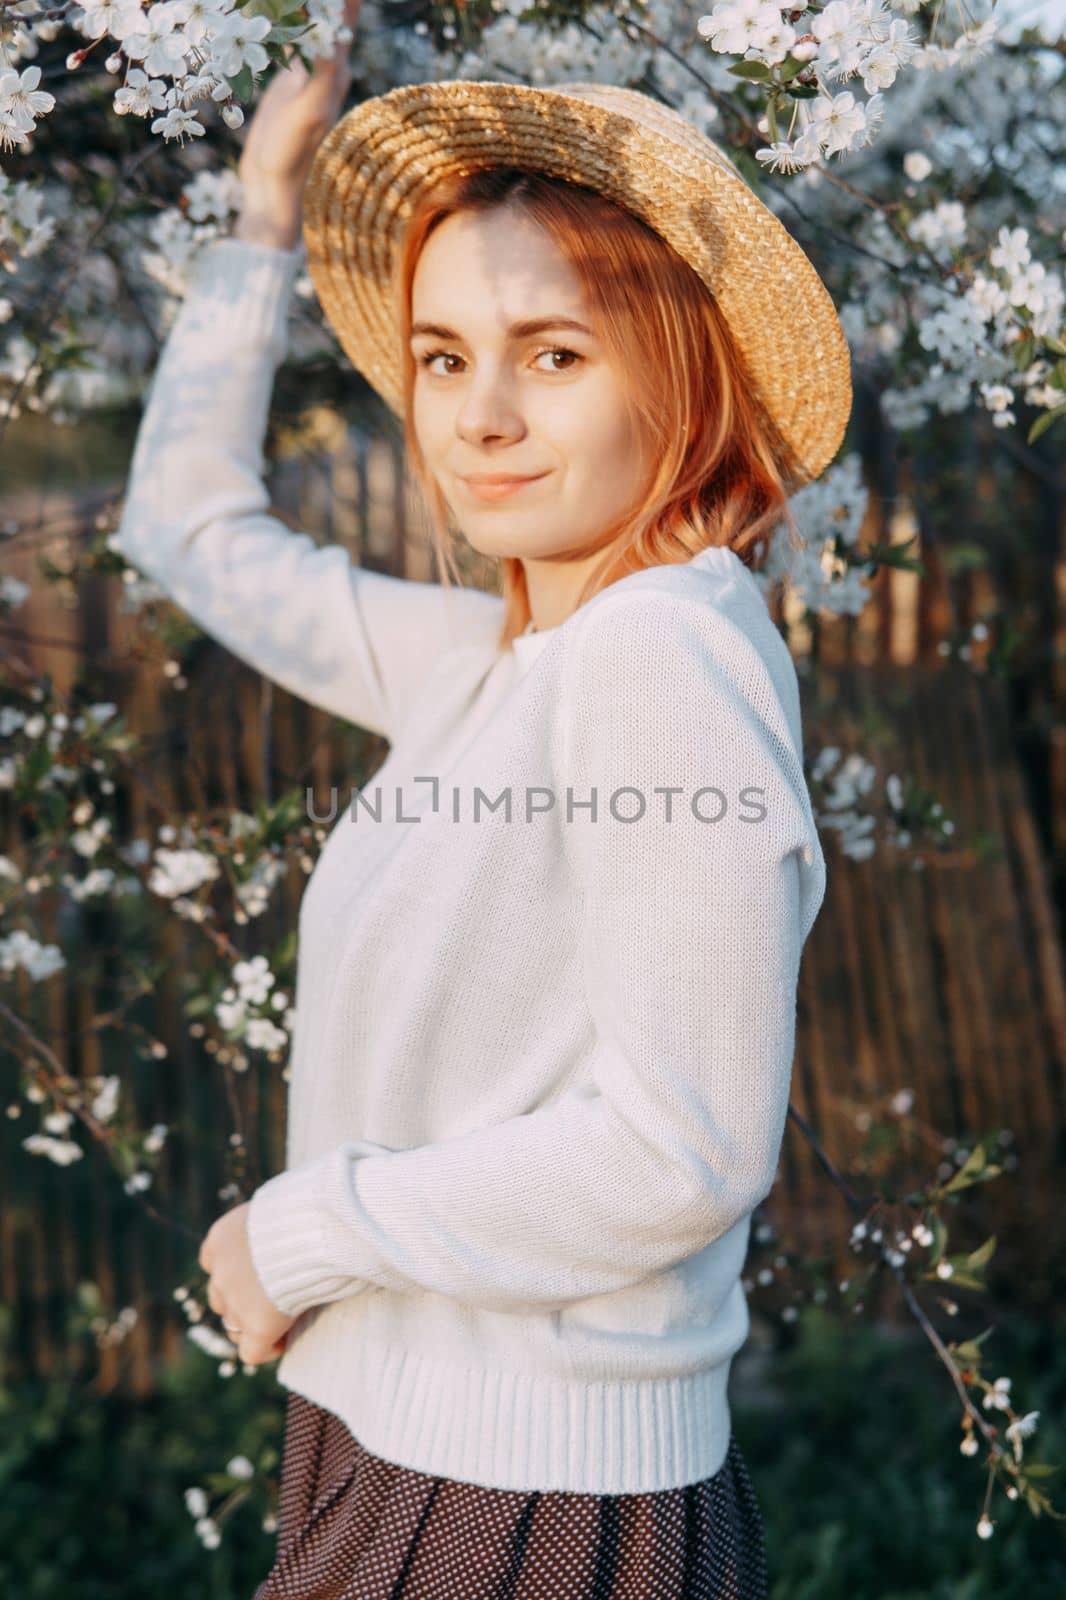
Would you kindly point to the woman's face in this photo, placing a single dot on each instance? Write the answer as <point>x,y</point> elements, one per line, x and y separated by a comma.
<point>512,383</point>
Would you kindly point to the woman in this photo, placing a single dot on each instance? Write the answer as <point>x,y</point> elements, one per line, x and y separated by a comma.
<point>548,959</point>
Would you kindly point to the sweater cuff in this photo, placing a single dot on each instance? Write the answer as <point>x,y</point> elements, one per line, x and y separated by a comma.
<point>303,1253</point>
<point>241,293</point>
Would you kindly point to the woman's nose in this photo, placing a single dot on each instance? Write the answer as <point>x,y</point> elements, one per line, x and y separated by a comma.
<point>488,411</point>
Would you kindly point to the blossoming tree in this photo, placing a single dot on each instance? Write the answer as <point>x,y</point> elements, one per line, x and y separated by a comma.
<point>913,147</point>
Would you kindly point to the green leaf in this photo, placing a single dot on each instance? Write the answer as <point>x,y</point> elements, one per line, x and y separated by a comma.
<point>243,85</point>
<point>983,1254</point>
<point>790,67</point>
<point>753,71</point>
<point>1042,424</point>
<point>966,557</point>
<point>1055,345</point>
<point>801,91</point>
<point>967,1173</point>
<point>962,1280</point>
<point>1041,1469</point>
<point>969,1353</point>
<point>282,34</point>
<point>1024,350</point>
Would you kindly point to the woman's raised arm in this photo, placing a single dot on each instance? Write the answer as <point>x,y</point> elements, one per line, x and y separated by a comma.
<point>196,516</point>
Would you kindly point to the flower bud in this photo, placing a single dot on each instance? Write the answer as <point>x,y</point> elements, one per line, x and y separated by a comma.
<point>232,116</point>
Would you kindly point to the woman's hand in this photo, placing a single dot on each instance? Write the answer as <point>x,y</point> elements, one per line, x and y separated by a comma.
<point>293,117</point>
<point>234,1290</point>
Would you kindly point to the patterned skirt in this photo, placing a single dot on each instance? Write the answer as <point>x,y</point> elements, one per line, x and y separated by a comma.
<point>354,1527</point>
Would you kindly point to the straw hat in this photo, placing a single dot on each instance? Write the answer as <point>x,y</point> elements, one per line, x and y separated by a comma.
<point>375,164</point>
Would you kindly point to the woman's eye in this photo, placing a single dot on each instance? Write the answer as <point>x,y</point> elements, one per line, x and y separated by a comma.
<point>556,350</point>
<point>436,355</point>
<point>431,356</point>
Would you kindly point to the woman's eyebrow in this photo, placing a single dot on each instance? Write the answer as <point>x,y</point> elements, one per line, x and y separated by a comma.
<point>517,330</point>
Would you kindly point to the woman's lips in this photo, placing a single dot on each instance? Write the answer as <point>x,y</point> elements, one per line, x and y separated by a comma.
<point>500,491</point>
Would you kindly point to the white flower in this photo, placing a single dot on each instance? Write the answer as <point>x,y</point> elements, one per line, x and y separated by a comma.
<point>988,296</point>
<point>86,841</point>
<point>254,979</point>
<point>996,396</point>
<point>213,196</point>
<point>984,1528</point>
<point>196,1502</point>
<point>839,33</point>
<point>944,224</point>
<point>998,1395</point>
<point>208,1533</point>
<point>140,94</point>
<point>177,123</point>
<point>735,25</point>
<point>200,18</point>
<point>1011,254</point>
<point>774,38</point>
<point>236,44</point>
<point>240,1467</point>
<point>917,165</point>
<point>231,1014</point>
<point>1022,1428</point>
<point>781,156</point>
<point>20,97</point>
<point>210,1340</point>
<point>159,42</point>
<point>61,1151</point>
<point>837,120</point>
<point>116,18</point>
<point>261,1034</point>
<point>177,872</point>
<point>21,949</point>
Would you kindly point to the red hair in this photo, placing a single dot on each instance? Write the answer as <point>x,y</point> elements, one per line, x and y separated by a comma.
<point>721,473</point>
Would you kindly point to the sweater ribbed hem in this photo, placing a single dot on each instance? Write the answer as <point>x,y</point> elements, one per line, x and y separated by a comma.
<point>509,1430</point>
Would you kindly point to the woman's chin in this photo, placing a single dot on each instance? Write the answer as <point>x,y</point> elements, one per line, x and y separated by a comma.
<point>496,543</point>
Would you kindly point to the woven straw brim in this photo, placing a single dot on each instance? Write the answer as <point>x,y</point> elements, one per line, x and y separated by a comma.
<point>373,168</point>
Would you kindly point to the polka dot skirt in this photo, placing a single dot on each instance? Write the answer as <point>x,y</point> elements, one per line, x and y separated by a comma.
<point>354,1527</point>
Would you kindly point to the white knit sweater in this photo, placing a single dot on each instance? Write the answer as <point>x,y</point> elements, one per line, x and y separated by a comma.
<point>541,1059</point>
